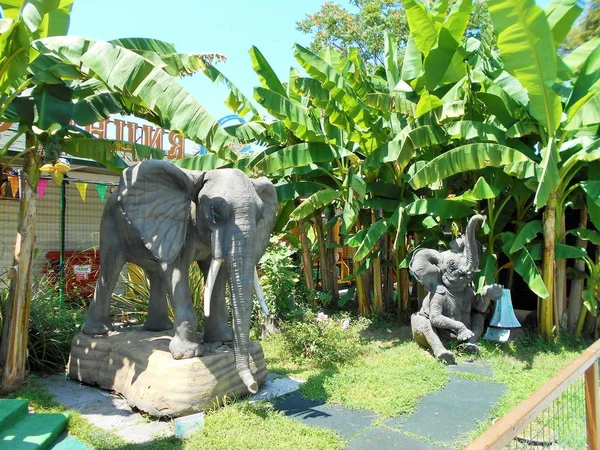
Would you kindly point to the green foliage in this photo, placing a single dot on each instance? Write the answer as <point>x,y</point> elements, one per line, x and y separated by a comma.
<point>587,28</point>
<point>279,279</point>
<point>131,306</point>
<point>323,340</point>
<point>51,327</point>
<point>364,24</point>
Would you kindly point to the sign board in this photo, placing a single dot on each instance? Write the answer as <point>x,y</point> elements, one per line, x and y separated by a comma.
<point>82,271</point>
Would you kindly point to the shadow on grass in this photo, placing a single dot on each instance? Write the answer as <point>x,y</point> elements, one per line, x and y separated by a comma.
<point>526,348</point>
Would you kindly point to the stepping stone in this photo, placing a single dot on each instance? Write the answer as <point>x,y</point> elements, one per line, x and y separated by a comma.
<point>66,442</point>
<point>33,431</point>
<point>346,421</point>
<point>11,410</point>
<point>275,386</point>
<point>448,414</point>
<point>105,410</point>
<point>481,368</point>
<point>384,439</point>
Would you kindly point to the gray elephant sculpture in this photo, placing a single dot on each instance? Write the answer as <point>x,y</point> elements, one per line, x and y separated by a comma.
<point>451,309</point>
<point>164,218</point>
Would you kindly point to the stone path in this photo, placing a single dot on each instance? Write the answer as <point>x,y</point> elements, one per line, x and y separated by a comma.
<point>105,410</point>
<point>438,422</point>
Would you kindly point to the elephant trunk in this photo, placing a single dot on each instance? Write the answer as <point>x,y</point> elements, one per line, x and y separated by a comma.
<point>471,251</point>
<point>241,285</point>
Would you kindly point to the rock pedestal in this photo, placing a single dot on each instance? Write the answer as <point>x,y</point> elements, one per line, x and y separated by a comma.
<point>138,365</point>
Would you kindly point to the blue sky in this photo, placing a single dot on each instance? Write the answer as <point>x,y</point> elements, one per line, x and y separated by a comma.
<point>230,27</point>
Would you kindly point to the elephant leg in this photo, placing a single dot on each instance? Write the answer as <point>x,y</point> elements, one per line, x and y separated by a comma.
<point>426,336</point>
<point>477,320</point>
<point>98,314</point>
<point>216,326</point>
<point>158,308</point>
<point>185,341</point>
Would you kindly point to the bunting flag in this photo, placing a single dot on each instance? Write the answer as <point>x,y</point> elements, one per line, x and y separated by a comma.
<point>41,187</point>
<point>14,185</point>
<point>82,188</point>
<point>101,188</point>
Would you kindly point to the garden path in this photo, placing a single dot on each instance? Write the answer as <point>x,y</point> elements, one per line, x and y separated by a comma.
<point>439,421</point>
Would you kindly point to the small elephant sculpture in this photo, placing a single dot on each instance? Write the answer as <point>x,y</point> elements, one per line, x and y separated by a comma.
<point>451,309</point>
<point>164,218</point>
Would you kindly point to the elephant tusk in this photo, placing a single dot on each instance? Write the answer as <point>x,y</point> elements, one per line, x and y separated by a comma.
<point>259,294</point>
<point>213,271</point>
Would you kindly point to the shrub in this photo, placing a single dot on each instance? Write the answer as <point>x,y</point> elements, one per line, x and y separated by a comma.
<point>131,306</point>
<point>279,277</point>
<point>51,328</point>
<point>285,293</point>
<point>324,340</point>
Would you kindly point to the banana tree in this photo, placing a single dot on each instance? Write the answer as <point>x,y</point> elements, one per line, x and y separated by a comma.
<point>48,81</point>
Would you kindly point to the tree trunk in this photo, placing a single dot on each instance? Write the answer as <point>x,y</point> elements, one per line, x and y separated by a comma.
<point>575,296</point>
<point>546,306</point>
<point>402,281</point>
<point>388,281</point>
<point>362,294</point>
<point>377,287</point>
<point>331,251</point>
<point>13,348</point>
<point>561,277</point>
<point>306,257</point>
<point>325,280</point>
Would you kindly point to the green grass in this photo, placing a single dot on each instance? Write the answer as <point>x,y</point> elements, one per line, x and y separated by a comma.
<point>390,377</point>
<point>523,366</point>
<point>238,425</point>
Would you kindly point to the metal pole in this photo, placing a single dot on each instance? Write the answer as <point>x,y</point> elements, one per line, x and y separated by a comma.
<point>63,209</point>
<point>591,405</point>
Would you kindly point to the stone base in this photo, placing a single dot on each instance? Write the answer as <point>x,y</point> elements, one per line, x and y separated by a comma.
<point>138,365</point>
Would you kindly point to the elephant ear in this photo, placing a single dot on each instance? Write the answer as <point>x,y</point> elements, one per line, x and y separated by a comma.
<point>267,193</point>
<point>156,198</point>
<point>426,265</point>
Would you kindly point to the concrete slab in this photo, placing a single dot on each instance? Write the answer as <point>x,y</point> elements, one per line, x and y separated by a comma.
<point>105,410</point>
<point>453,411</point>
<point>346,421</point>
<point>383,439</point>
<point>275,386</point>
<point>481,368</point>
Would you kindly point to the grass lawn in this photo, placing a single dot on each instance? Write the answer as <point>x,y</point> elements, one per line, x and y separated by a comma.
<point>390,378</point>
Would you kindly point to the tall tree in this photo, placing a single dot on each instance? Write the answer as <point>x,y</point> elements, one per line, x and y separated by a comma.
<point>364,22</point>
<point>586,28</point>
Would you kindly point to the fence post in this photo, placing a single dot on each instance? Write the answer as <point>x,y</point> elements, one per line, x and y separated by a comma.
<point>63,212</point>
<point>591,405</point>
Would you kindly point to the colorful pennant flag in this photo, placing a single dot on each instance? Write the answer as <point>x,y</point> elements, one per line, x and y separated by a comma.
<point>14,185</point>
<point>82,188</point>
<point>41,187</point>
<point>101,188</point>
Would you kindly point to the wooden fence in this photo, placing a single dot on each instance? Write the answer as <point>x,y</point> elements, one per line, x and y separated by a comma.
<point>509,430</point>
